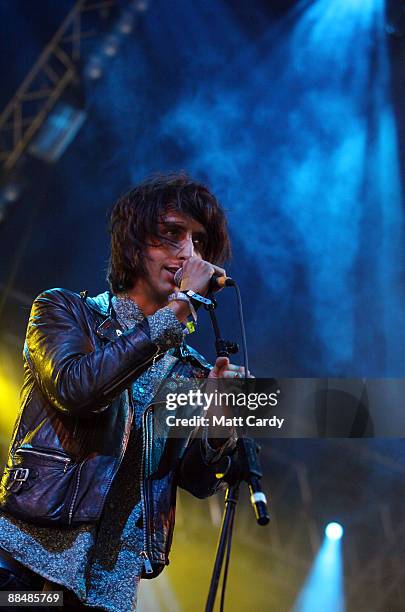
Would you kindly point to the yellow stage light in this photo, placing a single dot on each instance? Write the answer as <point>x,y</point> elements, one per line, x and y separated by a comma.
<point>10,382</point>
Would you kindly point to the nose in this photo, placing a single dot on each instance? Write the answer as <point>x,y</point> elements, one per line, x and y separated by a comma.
<point>186,248</point>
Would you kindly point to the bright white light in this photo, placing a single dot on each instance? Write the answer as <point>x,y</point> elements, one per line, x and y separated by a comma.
<point>334,531</point>
<point>126,23</point>
<point>94,68</point>
<point>110,47</point>
<point>141,5</point>
<point>11,192</point>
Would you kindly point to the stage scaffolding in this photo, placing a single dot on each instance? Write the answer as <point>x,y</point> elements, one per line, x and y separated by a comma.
<point>55,69</point>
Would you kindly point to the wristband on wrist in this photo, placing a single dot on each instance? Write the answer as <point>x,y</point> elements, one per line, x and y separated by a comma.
<point>190,327</point>
<point>196,298</point>
<point>182,297</point>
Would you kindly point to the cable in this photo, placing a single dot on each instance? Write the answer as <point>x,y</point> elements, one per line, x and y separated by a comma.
<point>228,556</point>
<point>242,329</point>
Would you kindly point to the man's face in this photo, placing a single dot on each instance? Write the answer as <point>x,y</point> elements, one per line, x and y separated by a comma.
<point>182,237</point>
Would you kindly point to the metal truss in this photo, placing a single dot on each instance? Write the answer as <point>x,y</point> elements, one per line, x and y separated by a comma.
<point>52,73</point>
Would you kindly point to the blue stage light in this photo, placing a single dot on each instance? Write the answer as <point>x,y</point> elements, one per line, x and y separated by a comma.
<point>334,531</point>
<point>323,588</point>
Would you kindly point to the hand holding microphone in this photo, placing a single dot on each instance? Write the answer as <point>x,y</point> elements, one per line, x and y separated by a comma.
<point>194,280</point>
<point>199,276</point>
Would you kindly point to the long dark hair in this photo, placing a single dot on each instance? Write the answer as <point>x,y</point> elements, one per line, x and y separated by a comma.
<point>134,222</point>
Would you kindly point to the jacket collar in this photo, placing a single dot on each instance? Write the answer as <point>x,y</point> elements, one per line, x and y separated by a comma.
<point>101,303</point>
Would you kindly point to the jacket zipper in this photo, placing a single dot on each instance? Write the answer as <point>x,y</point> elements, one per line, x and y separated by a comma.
<point>144,492</point>
<point>66,460</point>
<point>132,412</point>
<point>75,493</point>
<point>147,436</point>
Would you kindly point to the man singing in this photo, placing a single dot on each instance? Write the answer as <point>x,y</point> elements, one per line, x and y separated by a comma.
<point>88,495</point>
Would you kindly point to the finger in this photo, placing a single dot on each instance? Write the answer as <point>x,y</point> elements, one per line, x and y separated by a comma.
<point>221,364</point>
<point>229,374</point>
<point>236,373</point>
<point>237,368</point>
<point>219,271</point>
<point>233,374</point>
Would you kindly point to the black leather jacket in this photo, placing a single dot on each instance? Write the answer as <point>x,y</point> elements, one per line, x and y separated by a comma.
<point>75,420</point>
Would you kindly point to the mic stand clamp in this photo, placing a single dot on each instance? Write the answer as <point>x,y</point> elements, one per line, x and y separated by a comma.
<point>223,347</point>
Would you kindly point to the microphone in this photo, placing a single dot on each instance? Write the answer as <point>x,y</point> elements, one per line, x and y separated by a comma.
<point>245,465</point>
<point>248,450</point>
<point>218,280</point>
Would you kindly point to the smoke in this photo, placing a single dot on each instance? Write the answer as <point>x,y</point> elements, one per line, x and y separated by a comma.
<point>290,123</point>
<point>290,145</point>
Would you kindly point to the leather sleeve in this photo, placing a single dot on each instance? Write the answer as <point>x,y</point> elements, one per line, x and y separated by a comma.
<point>77,377</point>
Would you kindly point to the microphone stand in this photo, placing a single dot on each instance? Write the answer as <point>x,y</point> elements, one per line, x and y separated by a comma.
<point>245,467</point>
